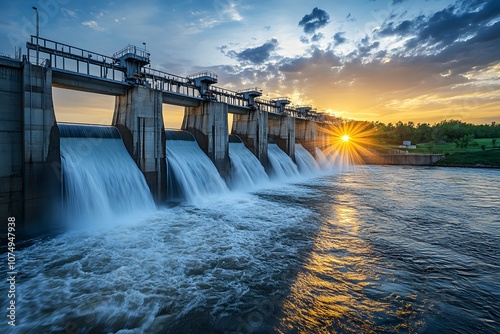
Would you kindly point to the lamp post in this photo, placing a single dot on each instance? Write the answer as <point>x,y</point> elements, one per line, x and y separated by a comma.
<point>37,33</point>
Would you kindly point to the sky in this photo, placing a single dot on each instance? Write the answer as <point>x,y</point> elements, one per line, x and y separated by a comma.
<point>377,60</point>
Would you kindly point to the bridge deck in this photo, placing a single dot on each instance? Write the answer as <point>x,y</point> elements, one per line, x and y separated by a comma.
<point>84,70</point>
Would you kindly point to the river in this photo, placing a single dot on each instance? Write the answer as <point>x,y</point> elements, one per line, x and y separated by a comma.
<point>371,250</point>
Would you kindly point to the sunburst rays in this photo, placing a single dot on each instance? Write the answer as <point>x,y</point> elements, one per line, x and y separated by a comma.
<point>348,143</point>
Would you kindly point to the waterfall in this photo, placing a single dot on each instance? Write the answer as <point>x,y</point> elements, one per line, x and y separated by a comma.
<point>100,179</point>
<point>321,158</point>
<point>281,165</point>
<point>247,171</point>
<point>192,174</point>
<point>305,161</point>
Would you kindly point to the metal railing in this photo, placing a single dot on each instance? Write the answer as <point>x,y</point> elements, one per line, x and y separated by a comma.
<point>256,89</point>
<point>228,96</point>
<point>169,82</point>
<point>267,105</point>
<point>281,99</point>
<point>81,61</point>
<point>132,49</point>
<point>73,59</point>
<point>203,74</point>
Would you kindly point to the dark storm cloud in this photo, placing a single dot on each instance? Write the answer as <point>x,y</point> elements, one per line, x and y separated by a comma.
<point>476,53</point>
<point>257,55</point>
<point>314,21</point>
<point>339,38</point>
<point>463,19</point>
<point>461,37</point>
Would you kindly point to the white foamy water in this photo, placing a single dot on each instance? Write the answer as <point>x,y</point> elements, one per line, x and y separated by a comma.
<point>193,170</point>
<point>305,161</point>
<point>187,262</point>
<point>101,181</point>
<point>321,158</point>
<point>282,166</point>
<point>247,170</point>
<point>344,253</point>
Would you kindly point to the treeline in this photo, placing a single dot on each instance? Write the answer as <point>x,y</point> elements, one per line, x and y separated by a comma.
<point>445,131</point>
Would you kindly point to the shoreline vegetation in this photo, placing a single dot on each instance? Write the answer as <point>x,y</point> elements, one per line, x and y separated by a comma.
<point>482,153</point>
<point>477,159</point>
<point>463,144</point>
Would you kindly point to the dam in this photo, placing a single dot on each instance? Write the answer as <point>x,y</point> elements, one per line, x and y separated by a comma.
<point>51,169</point>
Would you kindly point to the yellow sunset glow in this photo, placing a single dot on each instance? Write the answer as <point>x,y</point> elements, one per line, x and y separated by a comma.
<point>349,142</point>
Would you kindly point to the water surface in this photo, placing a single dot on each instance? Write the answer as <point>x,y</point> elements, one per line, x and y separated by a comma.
<point>376,249</point>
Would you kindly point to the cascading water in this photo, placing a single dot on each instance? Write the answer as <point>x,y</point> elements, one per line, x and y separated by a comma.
<point>100,179</point>
<point>305,161</point>
<point>192,173</point>
<point>247,171</point>
<point>282,166</point>
<point>321,158</point>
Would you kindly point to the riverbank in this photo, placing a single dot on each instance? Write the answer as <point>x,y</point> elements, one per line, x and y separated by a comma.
<point>480,159</point>
<point>402,159</point>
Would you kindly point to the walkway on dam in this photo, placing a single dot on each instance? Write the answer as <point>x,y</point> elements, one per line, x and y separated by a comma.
<point>85,70</point>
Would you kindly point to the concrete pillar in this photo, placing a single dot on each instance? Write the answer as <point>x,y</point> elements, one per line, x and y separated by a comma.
<point>323,136</point>
<point>11,140</point>
<point>305,133</point>
<point>253,131</point>
<point>138,117</point>
<point>208,124</point>
<point>282,131</point>
<point>41,149</point>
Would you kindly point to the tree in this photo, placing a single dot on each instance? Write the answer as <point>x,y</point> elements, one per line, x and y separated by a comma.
<point>466,140</point>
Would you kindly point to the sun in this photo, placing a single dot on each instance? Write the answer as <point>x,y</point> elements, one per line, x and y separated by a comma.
<point>349,143</point>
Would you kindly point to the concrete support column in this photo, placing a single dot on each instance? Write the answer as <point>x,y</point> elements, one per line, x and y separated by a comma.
<point>282,131</point>
<point>320,136</point>
<point>208,124</point>
<point>253,131</point>
<point>11,140</point>
<point>42,189</point>
<point>323,135</point>
<point>138,117</point>
<point>305,133</point>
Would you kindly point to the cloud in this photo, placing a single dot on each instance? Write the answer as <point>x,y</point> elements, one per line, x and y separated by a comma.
<point>93,25</point>
<point>403,28</point>
<point>314,21</point>
<point>69,12</point>
<point>222,12</point>
<point>256,55</point>
<point>339,38</point>
<point>397,2</point>
<point>459,21</point>
<point>316,57</point>
<point>317,37</point>
<point>413,68</point>
<point>231,12</point>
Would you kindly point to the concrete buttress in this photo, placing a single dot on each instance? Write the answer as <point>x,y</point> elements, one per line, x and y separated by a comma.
<point>208,124</point>
<point>138,117</point>
<point>252,129</point>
